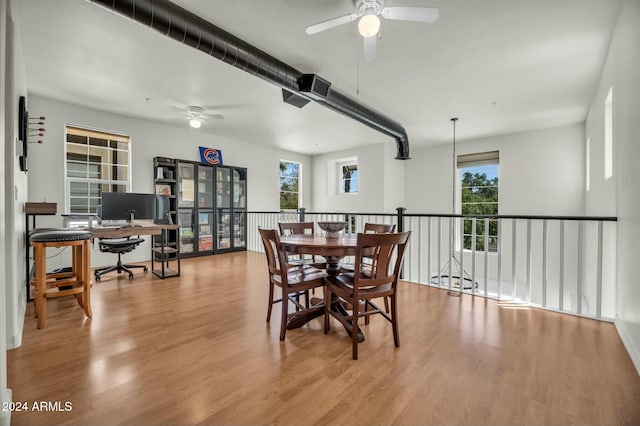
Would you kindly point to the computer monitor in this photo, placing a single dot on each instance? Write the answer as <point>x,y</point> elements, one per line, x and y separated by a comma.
<point>128,206</point>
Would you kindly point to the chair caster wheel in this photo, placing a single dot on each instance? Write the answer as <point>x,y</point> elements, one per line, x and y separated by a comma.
<point>130,276</point>
<point>145,269</point>
<point>97,277</point>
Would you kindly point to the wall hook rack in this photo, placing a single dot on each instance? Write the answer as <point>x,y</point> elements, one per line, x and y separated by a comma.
<point>29,128</point>
<point>23,123</point>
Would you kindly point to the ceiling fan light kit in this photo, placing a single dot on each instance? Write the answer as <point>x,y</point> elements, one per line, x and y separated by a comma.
<point>195,112</point>
<point>197,116</point>
<point>369,25</point>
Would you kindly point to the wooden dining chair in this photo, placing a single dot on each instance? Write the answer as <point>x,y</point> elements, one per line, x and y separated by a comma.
<point>293,228</point>
<point>356,288</point>
<point>294,280</point>
<point>379,228</point>
<point>299,228</point>
<point>370,228</point>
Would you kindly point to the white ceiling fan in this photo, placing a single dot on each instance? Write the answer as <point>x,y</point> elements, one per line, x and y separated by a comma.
<point>369,24</point>
<point>197,116</point>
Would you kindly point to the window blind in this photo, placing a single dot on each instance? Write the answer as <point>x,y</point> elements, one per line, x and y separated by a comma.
<point>96,134</point>
<point>478,159</point>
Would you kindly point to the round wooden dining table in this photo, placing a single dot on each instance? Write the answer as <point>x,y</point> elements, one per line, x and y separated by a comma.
<point>333,250</point>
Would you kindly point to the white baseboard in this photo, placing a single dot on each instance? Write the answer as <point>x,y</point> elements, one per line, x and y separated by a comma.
<point>15,340</point>
<point>629,344</point>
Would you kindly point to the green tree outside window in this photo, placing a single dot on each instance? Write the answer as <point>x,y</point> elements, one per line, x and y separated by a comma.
<point>479,197</point>
<point>289,191</point>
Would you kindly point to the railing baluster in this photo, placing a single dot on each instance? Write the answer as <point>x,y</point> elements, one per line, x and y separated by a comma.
<point>486,255</point>
<point>473,255</point>
<point>419,250</point>
<point>409,248</point>
<point>429,249</point>
<point>439,251</point>
<point>545,236</point>
<point>528,296</point>
<point>599,272</point>
<point>561,283</point>
<point>499,259</point>
<point>580,255</point>
<point>514,227</point>
<point>450,249</point>
<point>461,272</point>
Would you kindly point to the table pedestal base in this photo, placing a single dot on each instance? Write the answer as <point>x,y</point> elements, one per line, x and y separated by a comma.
<point>317,310</point>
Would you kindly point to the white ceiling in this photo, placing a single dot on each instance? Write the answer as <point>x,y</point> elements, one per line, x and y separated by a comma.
<point>502,66</point>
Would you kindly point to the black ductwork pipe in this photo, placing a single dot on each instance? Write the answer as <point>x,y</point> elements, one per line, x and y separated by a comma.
<point>187,28</point>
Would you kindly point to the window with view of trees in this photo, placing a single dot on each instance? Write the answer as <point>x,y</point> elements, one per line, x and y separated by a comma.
<point>479,197</point>
<point>96,162</point>
<point>348,175</point>
<point>289,185</point>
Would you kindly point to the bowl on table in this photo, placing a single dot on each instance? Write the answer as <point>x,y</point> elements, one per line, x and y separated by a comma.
<point>332,229</point>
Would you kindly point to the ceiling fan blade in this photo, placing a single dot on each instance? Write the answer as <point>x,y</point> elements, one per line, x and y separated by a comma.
<point>313,29</point>
<point>215,116</point>
<point>416,14</point>
<point>370,48</point>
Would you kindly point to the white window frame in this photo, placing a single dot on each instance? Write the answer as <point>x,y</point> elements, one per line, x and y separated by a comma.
<point>608,135</point>
<point>300,181</point>
<point>77,219</point>
<point>468,161</point>
<point>587,165</point>
<point>352,161</point>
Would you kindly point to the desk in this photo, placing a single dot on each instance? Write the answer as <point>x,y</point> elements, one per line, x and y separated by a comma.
<point>332,249</point>
<point>162,251</point>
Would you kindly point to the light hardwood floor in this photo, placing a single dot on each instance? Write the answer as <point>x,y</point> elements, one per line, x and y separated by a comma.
<point>197,350</point>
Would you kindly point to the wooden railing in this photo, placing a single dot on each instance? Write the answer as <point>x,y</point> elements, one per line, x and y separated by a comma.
<point>560,263</point>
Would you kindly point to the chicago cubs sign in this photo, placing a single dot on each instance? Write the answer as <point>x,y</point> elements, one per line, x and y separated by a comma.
<point>211,156</point>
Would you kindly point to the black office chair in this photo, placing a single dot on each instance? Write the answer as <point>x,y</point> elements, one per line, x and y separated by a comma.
<point>118,246</point>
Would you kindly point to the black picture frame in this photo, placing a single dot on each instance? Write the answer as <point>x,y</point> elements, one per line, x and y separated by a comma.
<point>23,121</point>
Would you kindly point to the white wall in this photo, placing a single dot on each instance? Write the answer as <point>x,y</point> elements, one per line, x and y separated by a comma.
<point>5,393</point>
<point>15,182</point>
<point>428,180</point>
<point>541,172</point>
<point>393,179</point>
<point>148,139</point>
<point>620,71</point>
<point>380,181</point>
